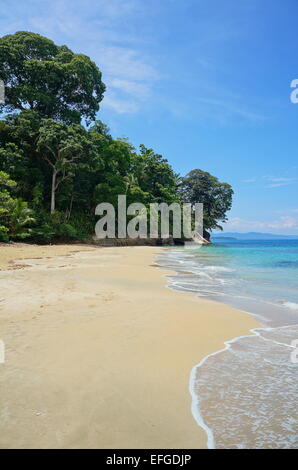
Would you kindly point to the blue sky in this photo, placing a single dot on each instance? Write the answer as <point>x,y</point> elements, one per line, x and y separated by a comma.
<point>206,83</point>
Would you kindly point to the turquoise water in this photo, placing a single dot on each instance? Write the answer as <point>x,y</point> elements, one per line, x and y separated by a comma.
<point>258,276</point>
<point>246,394</point>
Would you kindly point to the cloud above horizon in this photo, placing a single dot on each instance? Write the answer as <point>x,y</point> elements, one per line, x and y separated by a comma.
<point>273,181</point>
<point>286,222</point>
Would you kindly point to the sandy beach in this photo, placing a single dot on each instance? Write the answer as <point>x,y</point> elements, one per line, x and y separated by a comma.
<point>98,351</point>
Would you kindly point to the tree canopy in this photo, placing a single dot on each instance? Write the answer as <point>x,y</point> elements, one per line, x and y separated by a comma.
<point>200,186</point>
<point>47,78</point>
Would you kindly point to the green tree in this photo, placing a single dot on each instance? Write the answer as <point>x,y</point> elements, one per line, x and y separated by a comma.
<point>111,181</point>
<point>51,79</point>
<point>15,215</point>
<point>155,176</point>
<point>62,147</point>
<point>201,187</point>
<point>19,156</point>
<point>20,216</point>
<point>12,160</point>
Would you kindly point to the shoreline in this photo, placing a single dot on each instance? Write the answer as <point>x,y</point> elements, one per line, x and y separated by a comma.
<point>196,411</point>
<point>157,335</point>
<point>195,408</point>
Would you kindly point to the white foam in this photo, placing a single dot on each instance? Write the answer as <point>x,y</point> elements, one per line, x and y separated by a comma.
<point>219,269</point>
<point>291,305</point>
<point>195,408</point>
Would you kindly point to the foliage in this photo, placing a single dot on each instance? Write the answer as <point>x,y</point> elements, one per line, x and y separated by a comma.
<point>154,176</point>
<point>15,216</point>
<point>200,186</point>
<point>49,79</point>
<point>62,147</point>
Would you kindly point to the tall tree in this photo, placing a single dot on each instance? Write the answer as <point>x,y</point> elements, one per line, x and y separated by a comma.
<point>48,78</point>
<point>18,155</point>
<point>201,187</point>
<point>155,176</point>
<point>61,147</point>
<point>111,182</point>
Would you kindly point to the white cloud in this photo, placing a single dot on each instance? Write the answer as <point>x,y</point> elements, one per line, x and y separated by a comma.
<point>126,96</point>
<point>121,106</point>
<point>277,181</point>
<point>128,77</point>
<point>278,185</point>
<point>285,222</point>
<point>231,108</point>
<point>124,63</point>
<point>130,86</point>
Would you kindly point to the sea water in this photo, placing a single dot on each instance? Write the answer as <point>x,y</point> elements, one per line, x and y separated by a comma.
<point>245,396</point>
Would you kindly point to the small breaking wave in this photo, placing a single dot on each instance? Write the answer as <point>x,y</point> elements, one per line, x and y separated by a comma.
<point>219,269</point>
<point>291,305</point>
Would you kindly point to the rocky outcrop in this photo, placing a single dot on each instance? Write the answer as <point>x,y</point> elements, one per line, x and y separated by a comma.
<point>131,241</point>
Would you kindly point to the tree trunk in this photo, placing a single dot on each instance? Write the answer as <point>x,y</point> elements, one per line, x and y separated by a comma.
<point>53,192</point>
<point>70,207</point>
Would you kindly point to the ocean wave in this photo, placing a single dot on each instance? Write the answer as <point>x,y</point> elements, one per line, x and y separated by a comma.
<point>291,305</point>
<point>218,269</point>
<point>248,407</point>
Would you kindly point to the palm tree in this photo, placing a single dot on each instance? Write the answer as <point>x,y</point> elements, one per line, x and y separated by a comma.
<point>20,216</point>
<point>130,182</point>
